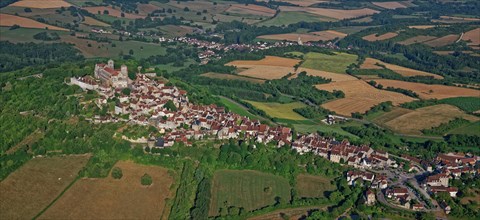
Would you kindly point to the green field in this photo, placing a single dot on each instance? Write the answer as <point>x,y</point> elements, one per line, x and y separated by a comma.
<point>309,186</point>
<point>22,35</point>
<point>329,129</point>
<point>235,107</point>
<point>331,63</point>
<point>468,104</point>
<point>277,110</point>
<point>469,129</point>
<point>290,17</point>
<point>246,189</point>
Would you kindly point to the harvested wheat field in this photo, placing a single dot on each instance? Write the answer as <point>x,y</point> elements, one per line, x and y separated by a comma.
<point>375,37</point>
<point>389,5</point>
<point>404,71</point>
<point>416,39</point>
<point>267,61</point>
<point>111,11</point>
<point>109,198</point>
<point>146,9</point>
<point>10,20</point>
<point>473,36</point>
<point>371,64</point>
<point>330,34</point>
<point>426,91</point>
<point>332,13</point>
<point>335,77</point>
<point>231,77</point>
<point>27,191</point>
<point>442,41</point>
<point>266,72</point>
<point>424,118</point>
<point>292,37</point>
<point>94,22</point>
<point>359,97</point>
<point>251,9</point>
<point>41,4</point>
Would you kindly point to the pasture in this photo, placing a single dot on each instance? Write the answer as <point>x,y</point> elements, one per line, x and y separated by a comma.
<point>237,108</point>
<point>442,41</point>
<point>292,17</point>
<point>114,12</point>
<point>404,71</point>
<point>22,35</point>
<point>251,9</point>
<point>424,118</point>
<point>231,77</point>
<point>309,186</point>
<point>246,189</point>
<point>390,5</point>
<point>94,22</point>
<point>337,63</point>
<point>359,97</point>
<point>337,14</point>
<point>376,37</point>
<point>278,110</point>
<point>416,39</point>
<point>28,190</point>
<point>109,198</point>
<point>433,91</point>
<point>41,4</point>
<point>10,20</point>
<point>293,37</point>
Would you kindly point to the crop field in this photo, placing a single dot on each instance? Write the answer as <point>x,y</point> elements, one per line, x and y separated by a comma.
<point>145,9</point>
<point>251,9</point>
<point>473,37</point>
<point>109,198</point>
<point>375,37</point>
<point>267,61</point>
<point>390,5</point>
<point>10,20</point>
<point>94,22</point>
<point>335,77</point>
<point>338,14</point>
<point>292,17</point>
<point>396,112</point>
<point>442,41</point>
<point>404,71</point>
<point>235,107</point>
<point>337,63</point>
<point>303,3</point>
<point>359,97</point>
<point>426,91</point>
<point>424,118</point>
<point>111,12</point>
<point>351,29</point>
<point>232,77</point>
<point>468,104</point>
<point>330,34</point>
<point>416,39</point>
<point>371,64</point>
<point>278,110</point>
<point>27,191</point>
<point>246,189</point>
<point>309,186</point>
<point>41,4</point>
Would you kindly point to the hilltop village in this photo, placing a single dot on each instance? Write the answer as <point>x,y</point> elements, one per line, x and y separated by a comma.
<point>148,101</point>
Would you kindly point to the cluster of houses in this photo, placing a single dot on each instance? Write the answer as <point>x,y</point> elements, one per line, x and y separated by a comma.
<point>343,152</point>
<point>146,101</point>
<point>450,166</point>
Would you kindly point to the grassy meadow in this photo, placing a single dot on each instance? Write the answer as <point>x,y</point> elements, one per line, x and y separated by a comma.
<point>331,63</point>
<point>278,110</point>
<point>246,189</point>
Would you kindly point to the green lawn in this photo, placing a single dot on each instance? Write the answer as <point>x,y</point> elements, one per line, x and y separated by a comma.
<point>331,63</point>
<point>290,17</point>
<point>278,110</point>
<point>235,107</point>
<point>246,189</point>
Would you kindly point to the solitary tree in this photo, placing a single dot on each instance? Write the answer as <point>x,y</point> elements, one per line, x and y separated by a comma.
<point>146,180</point>
<point>117,173</point>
